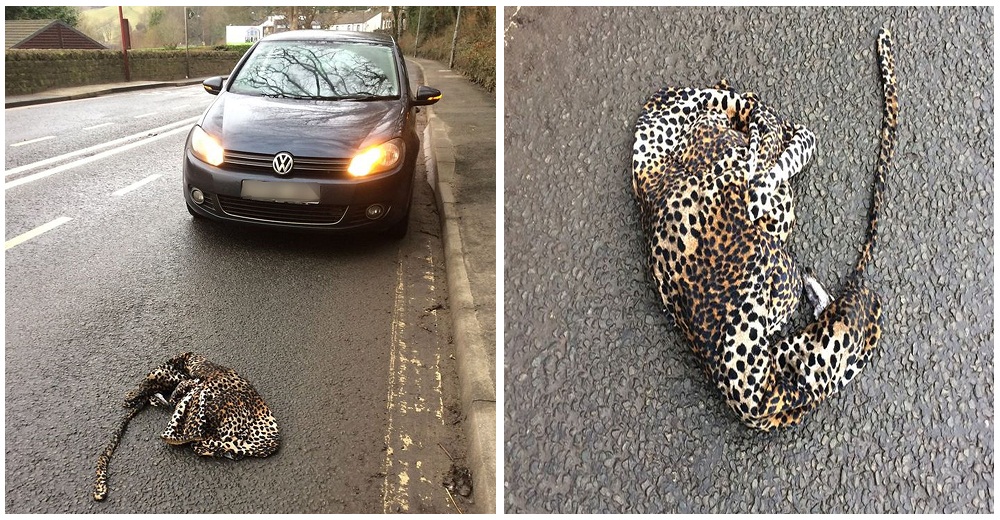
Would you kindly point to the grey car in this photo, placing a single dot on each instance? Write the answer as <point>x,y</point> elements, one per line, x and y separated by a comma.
<point>312,130</point>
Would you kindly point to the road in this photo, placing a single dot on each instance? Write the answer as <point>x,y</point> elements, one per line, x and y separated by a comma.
<point>107,276</point>
<point>605,407</point>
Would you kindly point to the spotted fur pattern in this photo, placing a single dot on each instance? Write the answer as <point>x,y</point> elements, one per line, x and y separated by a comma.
<point>711,169</point>
<point>215,410</point>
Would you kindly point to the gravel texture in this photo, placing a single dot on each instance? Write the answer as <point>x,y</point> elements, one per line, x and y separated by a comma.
<point>605,407</point>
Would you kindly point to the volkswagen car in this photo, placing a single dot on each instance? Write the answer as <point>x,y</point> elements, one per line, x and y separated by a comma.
<point>312,130</point>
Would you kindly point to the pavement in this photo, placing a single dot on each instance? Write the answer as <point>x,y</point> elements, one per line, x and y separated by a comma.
<point>89,91</point>
<point>605,408</point>
<point>460,151</point>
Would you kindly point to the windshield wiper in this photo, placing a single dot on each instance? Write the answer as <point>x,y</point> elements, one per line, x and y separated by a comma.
<point>373,98</point>
<point>353,97</point>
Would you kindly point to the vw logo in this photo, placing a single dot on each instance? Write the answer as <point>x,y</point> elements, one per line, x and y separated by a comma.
<point>282,163</point>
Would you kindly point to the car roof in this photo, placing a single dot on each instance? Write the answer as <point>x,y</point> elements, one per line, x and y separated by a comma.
<point>338,36</point>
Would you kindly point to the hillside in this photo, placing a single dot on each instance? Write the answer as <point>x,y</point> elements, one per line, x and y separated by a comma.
<point>475,49</point>
<point>101,23</point>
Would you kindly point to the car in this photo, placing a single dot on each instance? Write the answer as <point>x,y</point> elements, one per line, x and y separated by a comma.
<point>313,130</point>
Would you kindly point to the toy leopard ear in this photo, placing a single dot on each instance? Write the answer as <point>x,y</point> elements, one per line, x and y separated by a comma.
<point>180,361</point>
<point>183,358</point>
<point>723,84</point>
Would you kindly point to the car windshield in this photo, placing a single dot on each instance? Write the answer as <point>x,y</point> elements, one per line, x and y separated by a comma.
<point>319,70</point>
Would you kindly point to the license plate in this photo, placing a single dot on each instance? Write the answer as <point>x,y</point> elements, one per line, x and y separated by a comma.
<point>293,192</point>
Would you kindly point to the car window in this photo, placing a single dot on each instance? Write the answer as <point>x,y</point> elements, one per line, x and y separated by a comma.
<point>319,70</point>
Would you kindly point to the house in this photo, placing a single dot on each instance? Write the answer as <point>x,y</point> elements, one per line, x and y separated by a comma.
<point>239,34</point>
<point>365,21</point>
<point>45,34</point>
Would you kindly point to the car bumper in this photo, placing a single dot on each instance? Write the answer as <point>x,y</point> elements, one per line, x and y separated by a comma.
<point>342,205</point>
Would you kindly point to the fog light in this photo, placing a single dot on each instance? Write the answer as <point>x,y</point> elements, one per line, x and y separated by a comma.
<point>375,211</point>
<point>197,196</point>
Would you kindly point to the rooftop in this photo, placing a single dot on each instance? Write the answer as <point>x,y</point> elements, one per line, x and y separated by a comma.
<point>16,31</point>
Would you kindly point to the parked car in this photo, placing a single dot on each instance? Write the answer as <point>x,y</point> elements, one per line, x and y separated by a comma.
<point>312,130</point>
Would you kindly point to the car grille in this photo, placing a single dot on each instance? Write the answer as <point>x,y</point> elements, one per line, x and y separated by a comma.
<point>282,212</point>
<point>303,166</point>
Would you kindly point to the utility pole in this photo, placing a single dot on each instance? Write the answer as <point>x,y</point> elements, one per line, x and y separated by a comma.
<point>454,39</point>
<point>187,53</point>
<point>394,12</point>
<point>121,23</point>
<point>416,43</point>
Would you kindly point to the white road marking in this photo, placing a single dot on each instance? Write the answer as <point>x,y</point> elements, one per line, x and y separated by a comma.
<point>22,143</point>
<point>35,232</point>
<point>108,153</point>
<point>91,149</point>
<point>98,126</point>
<point>137,185</point>
<point>146,115</point>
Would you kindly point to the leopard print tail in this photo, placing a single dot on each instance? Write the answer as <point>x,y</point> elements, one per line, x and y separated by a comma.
<point>101,482</point>
<point>819,360</point>
<point>887,146</point>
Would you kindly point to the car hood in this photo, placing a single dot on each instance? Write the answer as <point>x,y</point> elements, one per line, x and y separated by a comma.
<point>301,127</point>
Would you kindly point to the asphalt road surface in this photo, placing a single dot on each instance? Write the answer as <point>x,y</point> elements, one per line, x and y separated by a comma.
<point>345,337</point>
<point>605,407</point>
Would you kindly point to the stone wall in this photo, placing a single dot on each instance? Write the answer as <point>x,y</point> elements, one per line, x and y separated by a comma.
<point>29,71</point>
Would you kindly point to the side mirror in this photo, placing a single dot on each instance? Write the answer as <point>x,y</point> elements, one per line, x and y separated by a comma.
<point>213,85</point>
<point>426,96</point>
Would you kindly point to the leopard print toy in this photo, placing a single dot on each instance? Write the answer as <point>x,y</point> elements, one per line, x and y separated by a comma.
<point>215,410</point>
<point>710,173</point>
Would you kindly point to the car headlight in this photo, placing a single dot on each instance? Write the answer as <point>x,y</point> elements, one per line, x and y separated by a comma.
<point>377,158</point>
<point>206,147</point>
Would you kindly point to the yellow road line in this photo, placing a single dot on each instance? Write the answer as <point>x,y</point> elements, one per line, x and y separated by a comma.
<point>394,492</point>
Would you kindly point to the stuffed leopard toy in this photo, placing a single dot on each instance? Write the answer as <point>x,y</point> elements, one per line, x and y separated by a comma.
<point>215,410</point>
<point>710,174</point>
